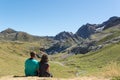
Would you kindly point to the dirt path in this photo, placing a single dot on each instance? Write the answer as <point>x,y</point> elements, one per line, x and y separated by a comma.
<point>58,63</point>
<point>38,78</point>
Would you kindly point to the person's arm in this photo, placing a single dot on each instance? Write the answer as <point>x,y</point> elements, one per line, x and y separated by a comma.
<point>48,68</point>
<point>25,68</point>
<point>37,69</point>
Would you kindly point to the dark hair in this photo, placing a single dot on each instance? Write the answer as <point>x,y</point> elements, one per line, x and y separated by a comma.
<point>44,58</point>
<point>32,54</point>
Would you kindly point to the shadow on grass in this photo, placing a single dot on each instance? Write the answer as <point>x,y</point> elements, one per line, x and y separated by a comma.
<point>18,76</point>
<point>15,76</point>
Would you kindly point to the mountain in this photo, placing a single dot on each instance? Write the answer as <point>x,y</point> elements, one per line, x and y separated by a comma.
<point>113,21</point>
<point>62,36</point>
<point>12,35</point>
<point>8,31</point>
<point>63,40</point>
<point>89,37</point>
<point>87,30</point>
<point>82,41</point>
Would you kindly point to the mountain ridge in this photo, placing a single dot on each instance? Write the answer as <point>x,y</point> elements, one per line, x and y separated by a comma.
<point>80,42</point>
<point>90,29</point>
<point>84,31</point>
<point>10,34</point>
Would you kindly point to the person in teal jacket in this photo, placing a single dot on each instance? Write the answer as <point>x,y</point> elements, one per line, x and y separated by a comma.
<point>31,65</point>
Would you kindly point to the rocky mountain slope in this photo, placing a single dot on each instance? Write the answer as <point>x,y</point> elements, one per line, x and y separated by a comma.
<point>87,30</point>
<point>82,41</point>
<point>89,37</point>
<point>64,40</point>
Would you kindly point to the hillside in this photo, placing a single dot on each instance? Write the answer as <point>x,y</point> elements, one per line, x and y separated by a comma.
<point>104,62</point>
<point>83,41</point>
<point>107,35</point>
<point>13,35</point>
<point>72,56</point>
<point>13,55</point>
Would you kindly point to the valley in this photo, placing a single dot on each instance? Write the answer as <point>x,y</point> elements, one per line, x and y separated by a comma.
<point>94,55</point>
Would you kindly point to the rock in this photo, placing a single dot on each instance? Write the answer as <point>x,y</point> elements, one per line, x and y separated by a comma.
<point>86,30</point>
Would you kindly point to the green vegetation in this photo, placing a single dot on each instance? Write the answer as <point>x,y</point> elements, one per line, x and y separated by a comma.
<point>116,78</point>
<point>109,37</point>
<point>106,35</point>
<point>60,70</point>
<point>13,55</point>
<point>104,62</point>
<point>96,63</point>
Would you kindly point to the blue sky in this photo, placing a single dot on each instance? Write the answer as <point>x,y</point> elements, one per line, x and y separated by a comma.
<point>49,17</point>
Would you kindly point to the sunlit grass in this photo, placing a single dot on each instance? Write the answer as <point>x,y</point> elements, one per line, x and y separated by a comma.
<point>12,57</point>
<point>94,62</point>
<point>62,70</point>
<point>106,60</point>
<point>111,70</point>
<point>14,54</point>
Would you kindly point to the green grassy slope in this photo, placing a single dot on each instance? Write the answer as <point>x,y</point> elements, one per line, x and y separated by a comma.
<point>61,71</point>
<point>14,54</point>
<point>12,57</point>
<point>95,62</point>
<point>107,34</point>
<point>105,62</point>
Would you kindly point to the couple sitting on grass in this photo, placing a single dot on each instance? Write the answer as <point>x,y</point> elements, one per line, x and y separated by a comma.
<point>36,68</point>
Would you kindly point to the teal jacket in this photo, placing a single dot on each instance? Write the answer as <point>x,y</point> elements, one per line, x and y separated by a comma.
<point>31,67</point>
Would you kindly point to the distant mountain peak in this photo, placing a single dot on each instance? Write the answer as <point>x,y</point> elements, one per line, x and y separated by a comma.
<point>8,31</point>
<point>88,29</point>
<point>12,35</point>
<point>113,18</point>
<point>63,35</point>
<point>113,21</point>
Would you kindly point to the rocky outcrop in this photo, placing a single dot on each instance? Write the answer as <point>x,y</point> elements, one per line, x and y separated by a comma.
<point>86,30</point>
<point>83,47</point>
<point>64,40</point>
<point>64,35</point>
<point>58,47</point>
<point>69,36</point>
<point>113,21</point>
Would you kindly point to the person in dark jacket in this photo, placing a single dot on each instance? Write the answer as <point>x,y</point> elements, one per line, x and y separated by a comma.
<point>44,67</point>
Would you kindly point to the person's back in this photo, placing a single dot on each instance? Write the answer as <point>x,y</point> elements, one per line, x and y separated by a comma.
<point>44,70</point>
<point>44,67</point>
<point>31,66</point>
